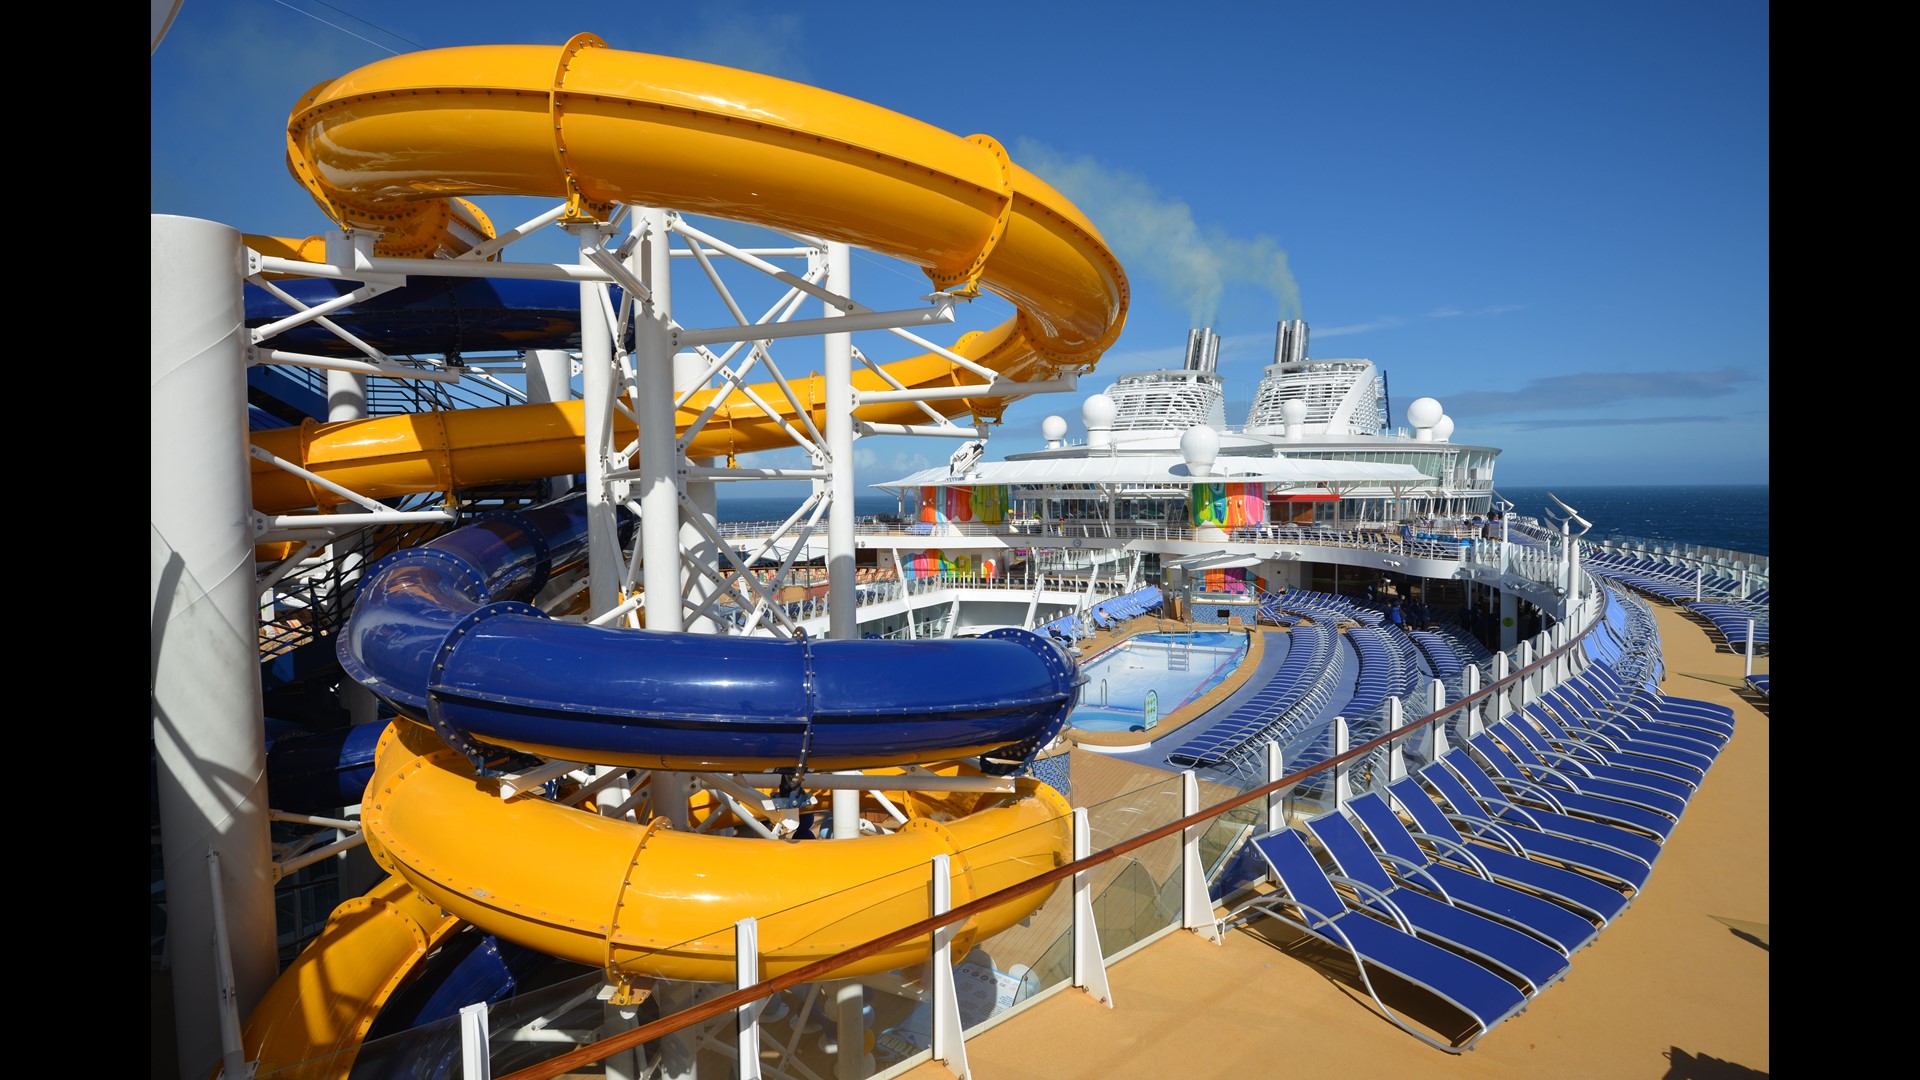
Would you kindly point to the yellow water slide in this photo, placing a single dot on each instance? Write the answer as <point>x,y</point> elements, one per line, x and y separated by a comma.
<point>400,147</point>
<point>656,901</point>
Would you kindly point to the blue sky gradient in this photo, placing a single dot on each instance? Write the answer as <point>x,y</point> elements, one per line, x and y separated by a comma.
<point>1554,218</point>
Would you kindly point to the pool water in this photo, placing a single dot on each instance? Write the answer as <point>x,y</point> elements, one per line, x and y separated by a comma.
<point>1176,668</point>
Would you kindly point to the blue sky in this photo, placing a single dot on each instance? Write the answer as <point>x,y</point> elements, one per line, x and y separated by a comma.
<point>1554,218</point>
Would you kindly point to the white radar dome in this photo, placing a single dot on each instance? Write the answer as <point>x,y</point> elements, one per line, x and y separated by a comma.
<point>1097,412</point>
<point>1053,429</point>
<point>1199,445</point>
<point>1424,412</point>
<point>1443,430</point>
<point>1293,411</point>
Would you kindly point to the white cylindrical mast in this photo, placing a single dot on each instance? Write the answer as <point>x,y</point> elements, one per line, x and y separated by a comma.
<point>598,388</point>
<point>653,405</point>
<point>550,379</point>
<point>842,616</point>
<point>209,737</point>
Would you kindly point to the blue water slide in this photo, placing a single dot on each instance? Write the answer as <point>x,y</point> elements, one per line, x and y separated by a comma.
<point>441,632</point>
<point>319,772</point>
<point>431,315</point>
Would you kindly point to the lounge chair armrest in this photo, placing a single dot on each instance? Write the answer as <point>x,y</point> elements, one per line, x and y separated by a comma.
<point>1488,829</point>
<point>1560,762</point>
<point>1377,896</point>
<point>1520,789</point>
<point>1415,871</point>
<point>1452,851</point>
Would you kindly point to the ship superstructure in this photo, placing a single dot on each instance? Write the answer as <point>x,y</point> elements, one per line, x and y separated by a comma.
<point>1318,397</point>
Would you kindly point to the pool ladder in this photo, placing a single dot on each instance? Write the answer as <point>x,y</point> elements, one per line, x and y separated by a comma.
<point>1180,654</point>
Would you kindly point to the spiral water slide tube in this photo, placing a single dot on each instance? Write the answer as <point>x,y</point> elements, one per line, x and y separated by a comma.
<point>399,147</point>
<point>444,632</point>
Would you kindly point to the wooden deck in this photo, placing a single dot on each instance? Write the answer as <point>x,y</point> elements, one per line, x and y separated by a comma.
<point>1679,988</point>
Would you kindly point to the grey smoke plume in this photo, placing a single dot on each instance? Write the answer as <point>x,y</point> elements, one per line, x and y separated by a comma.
<point>1156,237</point>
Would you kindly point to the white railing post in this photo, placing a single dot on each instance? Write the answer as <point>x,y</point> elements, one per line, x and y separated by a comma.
<point>476,1058</point>
<point>949,1038</point>
<point>232,1053</point>
<point>1751,627</point>
<point>1277,799</point>
<point>746,1019</point>
<point>1342,742</point>
<point>1523,687</point>
<point>1089,966</point>
<point>1397,749</point>
<point>1471,686</point>
<point>1196,903</point>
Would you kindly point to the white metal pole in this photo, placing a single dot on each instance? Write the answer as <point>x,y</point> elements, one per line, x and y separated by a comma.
<point>702,500</point>
<point>347,399</point>
<point>599,387</point>
<point>209,738</point>
<point>843,622</point>
<point>550,379</point>
<point>659,452</point>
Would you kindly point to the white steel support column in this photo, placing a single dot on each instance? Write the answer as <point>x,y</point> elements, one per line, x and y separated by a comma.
<point>660,459</point>
<point>849,998</point>
<point>599,386</point>
<point>843,622</point>
<point>550,379</point>
<point>347,400</point>
<point>205,701</point>
<point>702,500</point>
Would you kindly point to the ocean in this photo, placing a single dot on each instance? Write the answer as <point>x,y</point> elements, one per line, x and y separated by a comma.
<point>1730,516</point>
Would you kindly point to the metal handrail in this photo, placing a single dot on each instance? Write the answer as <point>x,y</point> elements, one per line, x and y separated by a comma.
<point>825,967</point>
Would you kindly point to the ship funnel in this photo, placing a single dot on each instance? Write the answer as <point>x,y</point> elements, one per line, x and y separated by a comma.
<point>1203,350</point>
<point>1290,342</point>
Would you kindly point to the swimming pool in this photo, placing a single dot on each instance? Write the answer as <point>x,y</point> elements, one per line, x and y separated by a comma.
<point>1174,668</point>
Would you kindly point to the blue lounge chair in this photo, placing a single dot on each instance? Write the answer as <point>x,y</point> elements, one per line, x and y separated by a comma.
<point>1577,706</point>
<point>1530,782</point>
<point>1308,901</point>
<point>1702,719</point>
<point>1677,762</point>
<point>1492,852</point>
<point>1546,812</point>
<point>1535,962</point>
<point>1517,829</point>
<point>1584,760</point>
<point>1467,883</point>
